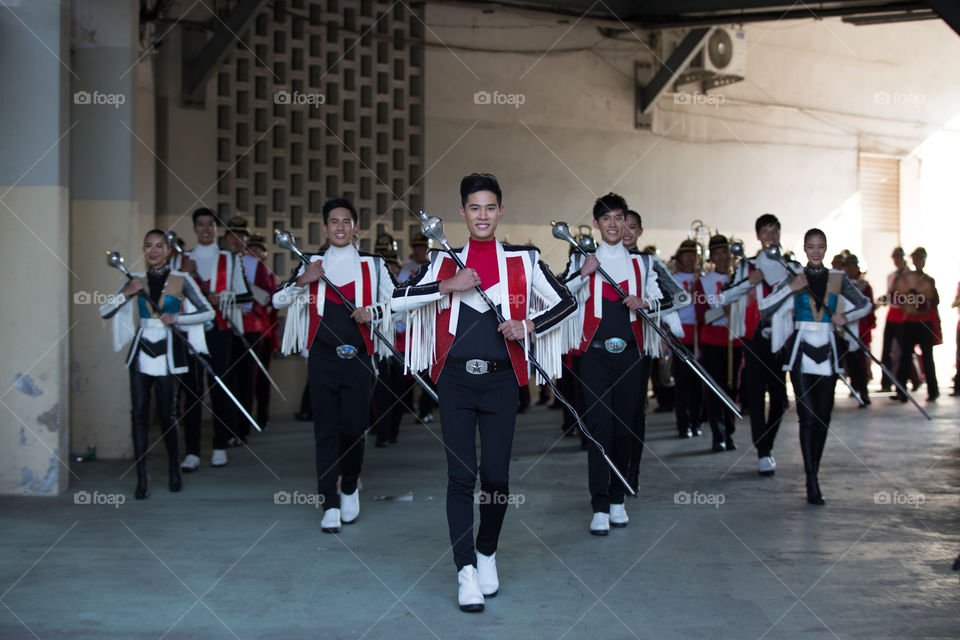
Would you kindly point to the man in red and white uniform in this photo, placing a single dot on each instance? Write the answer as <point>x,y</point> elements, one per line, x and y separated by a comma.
<point>261,319</point>
<point>688,405</point>
<point>720,351</point>
<point>221,274</point>
<point>478,366</point>
<point>612,341</point>
<point>893,324</point>
<point>342,346</point>
<point>754,279</point>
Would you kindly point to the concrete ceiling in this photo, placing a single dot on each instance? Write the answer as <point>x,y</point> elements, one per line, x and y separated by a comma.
<point>690,13</point>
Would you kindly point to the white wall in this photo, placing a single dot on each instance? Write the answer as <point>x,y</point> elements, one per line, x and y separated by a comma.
<point>785,140</point>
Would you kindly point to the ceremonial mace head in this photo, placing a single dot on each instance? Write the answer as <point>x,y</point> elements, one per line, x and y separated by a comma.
<point>172,243</point>
<point>115,260</point>
<point>561,231</point>
<point>284,240</point>
<point>773,252</point>
<point>432,228</point>
<point>736,249</point>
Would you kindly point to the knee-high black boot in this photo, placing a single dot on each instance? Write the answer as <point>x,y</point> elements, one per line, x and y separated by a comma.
<point>808,446</point>
<point>139,414</point>
<point>141,441</point>
<point>167,410</point>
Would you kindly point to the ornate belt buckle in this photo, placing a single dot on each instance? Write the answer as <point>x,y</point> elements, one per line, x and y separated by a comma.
<point>614,345</point>
<point>346,351</point>
<point>477,367</point>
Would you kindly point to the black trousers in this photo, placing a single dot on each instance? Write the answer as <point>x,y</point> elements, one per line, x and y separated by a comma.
<point>891,334</point>
<point>340,391</point>
<point>716,360</point>
<point>220,345</point>
<point>814,406</point>
<point>918,333</point>
<point>688,401</point>
<point>857,365</point>
<point>763,374</point>
<point>388,396</point>
<point>470,402</point>
<point>261,386</point>
<point>164,389</point>
<point>639,430</point>
<point>610,401</point>
<point>956,377</point>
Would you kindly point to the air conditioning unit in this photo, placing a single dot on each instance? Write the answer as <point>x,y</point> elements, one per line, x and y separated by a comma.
<point>721,61</point>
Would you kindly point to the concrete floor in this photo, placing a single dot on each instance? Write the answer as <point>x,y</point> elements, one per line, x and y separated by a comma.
<point>222,560</point>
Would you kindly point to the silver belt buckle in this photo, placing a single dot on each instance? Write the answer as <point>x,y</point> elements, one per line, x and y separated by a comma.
<point>346,351</point>
<point>477,367</point>
<point>614,345</point>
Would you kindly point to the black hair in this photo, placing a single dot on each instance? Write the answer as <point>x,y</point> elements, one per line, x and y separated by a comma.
<point>480,182</point>
<point>608,203</point>
<point>814,232</point>
<point>157,232</point>
<point>337,203</point>
<point>631,212</point>
<point>203,211</point>
<point>766,219</point>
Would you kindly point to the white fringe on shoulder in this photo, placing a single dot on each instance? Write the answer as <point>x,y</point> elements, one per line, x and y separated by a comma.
<point>383,324</point>
<point>298,321</point>
<point>422,335</point>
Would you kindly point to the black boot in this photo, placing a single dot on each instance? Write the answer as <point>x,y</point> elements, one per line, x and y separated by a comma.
<point>141,441</point>
<point>808,446</point>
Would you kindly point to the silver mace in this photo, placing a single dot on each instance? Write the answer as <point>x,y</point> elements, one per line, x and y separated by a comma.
<point>284,240</point>
<point>561,231</point>
<point>773,252</point>
<point>432,228</point>
<point>172,243</point>
<point>115,260</point>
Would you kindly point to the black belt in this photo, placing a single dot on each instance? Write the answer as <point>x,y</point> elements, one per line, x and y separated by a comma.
<point>602,344</point>
<point>478,367</point>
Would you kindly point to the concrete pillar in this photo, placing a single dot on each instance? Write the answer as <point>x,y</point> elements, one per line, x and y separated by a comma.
<point>111,204</point>
<point>34,252</point>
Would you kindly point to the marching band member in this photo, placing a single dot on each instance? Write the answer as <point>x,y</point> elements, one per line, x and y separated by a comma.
<point>753,280</point>
<point>220,273</point>
<point>721,352</point>
<point>612,342</point>
<point>260,323</point>
<point>478,367</point>
<point>688,405</point>
<point>157,354</point>
<point>813,357</point>
<point>856,361</point>
<point>341,344</point>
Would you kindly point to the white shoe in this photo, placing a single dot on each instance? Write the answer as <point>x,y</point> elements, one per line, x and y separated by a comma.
<point>487,574</point>
<point>349,506</point>
<point>618,516</point>
<point>190,463</point>
<point>766,466</point>
<point>219,458</point>
<point>600,525</point>
<point>331,521</point>
<point>470,597</point>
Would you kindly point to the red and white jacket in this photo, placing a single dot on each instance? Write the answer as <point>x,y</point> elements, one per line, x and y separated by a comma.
<point>220,272</point>
<point>372,285</point>
<point>716,331</point>
<point>531,292</point>
<point>636,274</point>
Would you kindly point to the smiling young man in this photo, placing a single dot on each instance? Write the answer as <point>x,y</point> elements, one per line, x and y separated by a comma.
<point>479,365</point>
<point>753,280</point>
<point>340,364</point>
<point>220,273</point>
<point>613,341</point>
